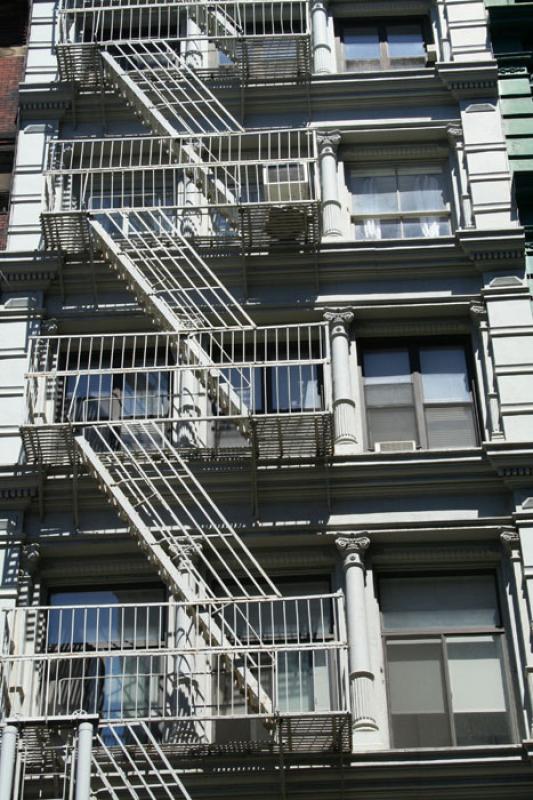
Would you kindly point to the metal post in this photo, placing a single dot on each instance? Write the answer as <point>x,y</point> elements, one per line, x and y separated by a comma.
<point>83,765</point>
<point>8,756</point>
<point>322,55</point>
<point>343,401</point>
<point>352,549</point>
<point>331,205</point>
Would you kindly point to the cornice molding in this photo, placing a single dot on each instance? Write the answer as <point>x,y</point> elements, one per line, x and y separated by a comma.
<point>440,554</point>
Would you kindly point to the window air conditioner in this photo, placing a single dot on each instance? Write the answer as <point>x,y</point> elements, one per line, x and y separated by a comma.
<point>394,447</point>
<point>286,182</point>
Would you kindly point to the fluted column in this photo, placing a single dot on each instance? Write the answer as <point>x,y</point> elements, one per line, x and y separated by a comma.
<point>8,756</point>
<point>322,52</point>
<point>479,316</point>
<point>455,138</point>
<point>352,550</point>
<point>328,144</point>
<point>343,402</point>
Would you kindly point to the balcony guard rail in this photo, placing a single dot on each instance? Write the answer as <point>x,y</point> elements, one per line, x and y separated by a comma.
<point>268,388</point>
<point>259,189</point>
<point>159,661</point>
<point>253,39</point>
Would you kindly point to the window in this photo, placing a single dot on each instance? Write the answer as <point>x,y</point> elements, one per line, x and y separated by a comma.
<point>419,393</point>
<point>383,44</point>
<point>399,202</point>
<point>86,622</point>
<point>446,661</point>
<point>300,679</point>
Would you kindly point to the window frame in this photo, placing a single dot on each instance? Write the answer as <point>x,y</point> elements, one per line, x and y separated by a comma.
<point>397,169</point>
<point>413,345</point>
<point>344,25</point>
<point>441,636</point>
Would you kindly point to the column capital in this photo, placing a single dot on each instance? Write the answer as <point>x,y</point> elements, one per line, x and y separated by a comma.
<point>353,547</point>
<point>328,142</point>
<point>478,312</point>
<point>339,316</point>
<point>510,540</point>
<point>454,134</point>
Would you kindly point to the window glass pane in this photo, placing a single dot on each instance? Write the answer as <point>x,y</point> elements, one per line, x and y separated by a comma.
<point>378,229</point>
<point>436,603</point>
<point>387,366</point>
<point>372,194</point>
<point>391,425</point>
<point>405,41</point>
<point>379,395</point>
<point>477,686</point>
<point>91,625</point>
<point>444,374</point>
<point>361,44</point>
<point>416,694</point>
<point>421,192</point>
<point>428,227</point>
<point>450,426</point>
<point>294,388</point>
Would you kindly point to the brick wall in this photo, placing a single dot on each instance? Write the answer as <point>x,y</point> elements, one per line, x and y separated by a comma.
<point>11,69</point>
<point>10,76</point>
<point>4,216</point>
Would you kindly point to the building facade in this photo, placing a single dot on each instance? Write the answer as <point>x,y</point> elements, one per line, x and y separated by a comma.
<point>266,407</point>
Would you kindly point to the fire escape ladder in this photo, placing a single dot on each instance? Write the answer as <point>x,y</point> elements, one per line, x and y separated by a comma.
<point>170,511</point>
<point>168,95</point>
<point>166,273</point>
<point>131,763</point>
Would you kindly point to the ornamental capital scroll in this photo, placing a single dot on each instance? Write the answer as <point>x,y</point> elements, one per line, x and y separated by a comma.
<point>510,540</point>
<point>339,317</point>
<point>454,134</point>
<point>353,548</point>
<point>328,142</point>
<point>478,312</point>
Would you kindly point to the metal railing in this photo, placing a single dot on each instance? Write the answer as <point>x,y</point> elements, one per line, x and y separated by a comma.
<point>164,661</point>
<point>254,188</point>
<point>235,372</point>
<point>254,39</point>
<point>103,21</point>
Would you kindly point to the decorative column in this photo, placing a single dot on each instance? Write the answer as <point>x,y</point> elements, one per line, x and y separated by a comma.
<point>352,550</point>
<point>328,144</point>
<point>8,756</point>
<point>465,213</point>
<point>478,314</point>
<point>513,570</point>
<point>345,424</point>
<point>322,52</point>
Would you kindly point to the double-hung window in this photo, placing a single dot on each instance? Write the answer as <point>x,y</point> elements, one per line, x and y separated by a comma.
<point>383,44</point>
<point>88,626</point>
<point>419,393</point>
<point>399,202</point>
<point>447,670</point>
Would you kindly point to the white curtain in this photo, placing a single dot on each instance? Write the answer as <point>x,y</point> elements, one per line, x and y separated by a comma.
<point>427,194</point>
<point>369,201</point>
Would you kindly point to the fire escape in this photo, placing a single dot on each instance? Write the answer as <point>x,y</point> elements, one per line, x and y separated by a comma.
<point>142,687</point>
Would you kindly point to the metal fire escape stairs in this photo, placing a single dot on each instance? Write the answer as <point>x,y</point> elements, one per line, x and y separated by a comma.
<point>184,534</point>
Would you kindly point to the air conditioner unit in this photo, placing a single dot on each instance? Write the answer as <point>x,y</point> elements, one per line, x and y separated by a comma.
<point>394,447</point>
<point>286,182</point>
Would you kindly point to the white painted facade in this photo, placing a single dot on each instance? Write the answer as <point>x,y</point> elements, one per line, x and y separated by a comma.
<point>349,518</point>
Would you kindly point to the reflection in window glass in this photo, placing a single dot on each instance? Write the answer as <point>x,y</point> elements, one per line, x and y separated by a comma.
<point>362,44</point>
<point>445,687</point>
<point>405,41</point>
